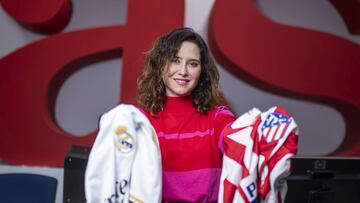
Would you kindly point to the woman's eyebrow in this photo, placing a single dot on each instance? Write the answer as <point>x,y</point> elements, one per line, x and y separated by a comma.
<point>192,59</point>
<point>197,60</point>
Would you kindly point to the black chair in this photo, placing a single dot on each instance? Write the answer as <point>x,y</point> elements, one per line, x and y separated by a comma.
<point>74,174</point>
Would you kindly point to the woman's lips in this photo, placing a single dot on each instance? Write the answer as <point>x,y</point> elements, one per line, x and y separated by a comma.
<point>181,81</point>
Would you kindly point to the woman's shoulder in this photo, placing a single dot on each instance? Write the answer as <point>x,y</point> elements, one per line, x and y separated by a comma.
<point>221,110</point>
<point>148,114</point>
<point>144,111</point>
<point>222,116</point>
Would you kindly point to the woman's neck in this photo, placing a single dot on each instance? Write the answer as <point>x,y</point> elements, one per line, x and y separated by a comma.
<point>178,104</point>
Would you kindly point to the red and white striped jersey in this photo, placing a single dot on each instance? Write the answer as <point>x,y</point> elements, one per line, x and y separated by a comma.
<point>257,151</point>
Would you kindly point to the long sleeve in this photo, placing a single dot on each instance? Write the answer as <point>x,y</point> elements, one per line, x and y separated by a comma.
<point>125,145</point>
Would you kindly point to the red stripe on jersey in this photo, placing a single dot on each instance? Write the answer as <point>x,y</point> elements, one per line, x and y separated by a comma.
<point>229,191</point>
<point>281,110</point>
<point>290,146</point>
<point>234,150</point>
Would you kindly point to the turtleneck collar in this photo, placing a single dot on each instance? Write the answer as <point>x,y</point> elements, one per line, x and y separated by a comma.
<point>178,104</point>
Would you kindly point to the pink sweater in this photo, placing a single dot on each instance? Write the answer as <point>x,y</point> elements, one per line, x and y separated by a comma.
<point>191,150</point>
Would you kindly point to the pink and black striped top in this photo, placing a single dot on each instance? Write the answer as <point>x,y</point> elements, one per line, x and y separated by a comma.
<point>191,150</point>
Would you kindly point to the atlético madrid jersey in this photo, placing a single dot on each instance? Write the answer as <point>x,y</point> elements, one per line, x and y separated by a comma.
<point>257,151</point>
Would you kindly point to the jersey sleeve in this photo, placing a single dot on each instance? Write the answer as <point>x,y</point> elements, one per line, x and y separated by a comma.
<point>223,118</point>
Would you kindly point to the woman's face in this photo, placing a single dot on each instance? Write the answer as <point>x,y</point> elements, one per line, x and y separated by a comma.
<point>183,72</point>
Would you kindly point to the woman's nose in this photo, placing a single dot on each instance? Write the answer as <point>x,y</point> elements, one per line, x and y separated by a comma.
<point>183,69</point>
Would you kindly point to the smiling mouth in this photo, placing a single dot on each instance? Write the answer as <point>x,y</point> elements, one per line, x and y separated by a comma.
<point>181,82</point>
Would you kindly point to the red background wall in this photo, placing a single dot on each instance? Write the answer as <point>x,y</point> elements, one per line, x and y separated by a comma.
<point>281,59</point>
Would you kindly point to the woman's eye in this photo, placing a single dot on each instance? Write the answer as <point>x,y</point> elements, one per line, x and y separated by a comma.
<point>194,64</point>
<point>175,61</point>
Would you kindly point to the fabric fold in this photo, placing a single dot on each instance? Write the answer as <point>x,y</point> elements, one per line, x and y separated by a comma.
<point>125,163</point>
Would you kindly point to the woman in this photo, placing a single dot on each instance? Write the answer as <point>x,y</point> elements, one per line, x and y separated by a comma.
<point>179,93</point>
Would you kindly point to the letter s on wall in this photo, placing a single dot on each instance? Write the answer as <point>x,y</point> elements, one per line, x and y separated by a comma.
<point>290,61</point>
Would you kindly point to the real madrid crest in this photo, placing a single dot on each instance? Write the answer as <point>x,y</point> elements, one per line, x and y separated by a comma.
<point>125,142</point>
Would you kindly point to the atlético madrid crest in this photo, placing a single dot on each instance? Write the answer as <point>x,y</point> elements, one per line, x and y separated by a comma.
<point>275,126</point>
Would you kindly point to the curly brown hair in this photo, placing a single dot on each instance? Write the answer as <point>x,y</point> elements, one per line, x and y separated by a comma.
<point>152,92</point>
